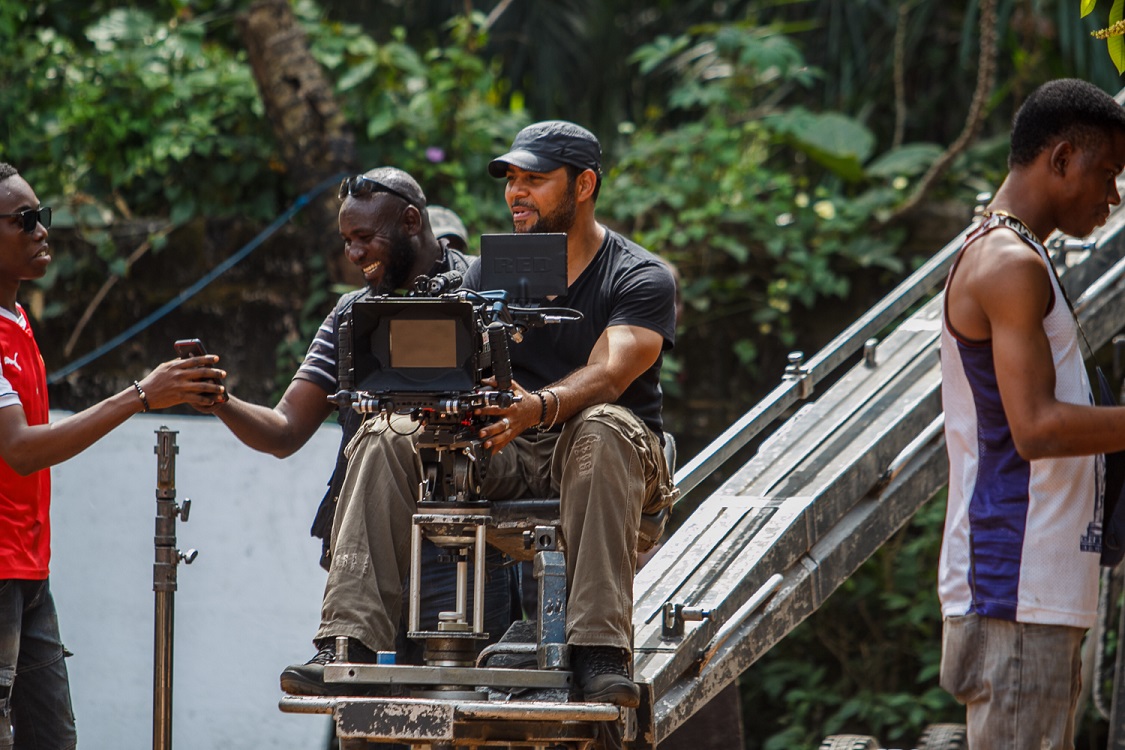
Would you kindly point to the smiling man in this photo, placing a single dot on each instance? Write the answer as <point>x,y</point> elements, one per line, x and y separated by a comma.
<point>386,233</point>
<point>35,708</point>
<point>1018,576</point>
<point>586,428</point>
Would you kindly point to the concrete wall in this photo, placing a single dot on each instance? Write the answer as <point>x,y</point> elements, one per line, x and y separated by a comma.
<point>247,607</point>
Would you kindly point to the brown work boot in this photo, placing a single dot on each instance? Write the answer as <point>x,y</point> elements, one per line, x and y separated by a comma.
<point>602,674</point>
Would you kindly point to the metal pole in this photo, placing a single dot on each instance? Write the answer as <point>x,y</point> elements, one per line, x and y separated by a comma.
<point>164,584</point>
<point>415,614</point>
<point>478,578</point>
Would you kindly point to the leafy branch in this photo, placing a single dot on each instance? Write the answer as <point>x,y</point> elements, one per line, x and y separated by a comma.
<point>1114,33</point>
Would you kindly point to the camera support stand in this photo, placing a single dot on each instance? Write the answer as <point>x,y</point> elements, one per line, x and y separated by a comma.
<point>164,584</point>
<point>455,519</point>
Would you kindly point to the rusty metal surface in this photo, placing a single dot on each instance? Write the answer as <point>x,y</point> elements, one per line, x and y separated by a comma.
<point>468,723</point>
<point>400,719</point>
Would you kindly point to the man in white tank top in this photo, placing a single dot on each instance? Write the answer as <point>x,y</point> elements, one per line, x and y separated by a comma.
<point>1018,574</point>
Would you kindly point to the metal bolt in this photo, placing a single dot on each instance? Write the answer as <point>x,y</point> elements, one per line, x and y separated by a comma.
<point>869,351</point>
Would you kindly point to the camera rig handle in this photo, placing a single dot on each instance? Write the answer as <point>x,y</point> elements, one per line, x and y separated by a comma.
<point>498,337</point>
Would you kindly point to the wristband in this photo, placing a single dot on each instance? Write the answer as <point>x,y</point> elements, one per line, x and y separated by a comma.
<point>141,395</point>
<point>542,410</point>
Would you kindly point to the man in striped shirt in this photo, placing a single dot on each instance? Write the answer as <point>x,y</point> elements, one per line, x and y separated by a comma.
<point>387,234</point>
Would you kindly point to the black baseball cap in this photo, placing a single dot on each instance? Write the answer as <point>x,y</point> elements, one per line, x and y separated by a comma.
<point>546,146</point>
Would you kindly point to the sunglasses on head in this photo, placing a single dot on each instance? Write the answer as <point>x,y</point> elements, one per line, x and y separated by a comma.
<point>31,217</point>
<point>361,185</point>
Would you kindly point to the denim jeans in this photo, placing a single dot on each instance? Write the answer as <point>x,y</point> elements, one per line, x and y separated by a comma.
<point>1019,681</point>
<point>35,709</point>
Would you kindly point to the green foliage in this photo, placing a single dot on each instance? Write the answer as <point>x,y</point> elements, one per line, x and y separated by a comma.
<point>1115,44</point>
<point>867,661</point>
<point>434,113</point>
<point>137,115</point>
<point>291,351</point>
<point>142,110</point>
<point>764,209</point>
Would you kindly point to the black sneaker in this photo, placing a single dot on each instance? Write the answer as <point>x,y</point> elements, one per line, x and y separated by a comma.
<point>602,675</point>
<point>308,678</point>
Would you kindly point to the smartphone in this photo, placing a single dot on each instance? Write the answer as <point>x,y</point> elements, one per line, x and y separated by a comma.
<point>188,348</point>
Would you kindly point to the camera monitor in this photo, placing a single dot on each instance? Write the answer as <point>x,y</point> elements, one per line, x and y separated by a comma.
<point>527,266</point>
<point>414,345</point>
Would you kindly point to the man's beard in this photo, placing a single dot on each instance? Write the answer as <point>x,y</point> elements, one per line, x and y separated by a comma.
<point>559,220</point>
<point>401,263</point>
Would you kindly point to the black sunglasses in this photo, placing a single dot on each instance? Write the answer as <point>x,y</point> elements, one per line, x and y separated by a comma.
<point>32,217</point>
<point>361,185</point>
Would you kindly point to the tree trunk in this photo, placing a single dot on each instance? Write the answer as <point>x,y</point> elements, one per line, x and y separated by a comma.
<point>313,134</point>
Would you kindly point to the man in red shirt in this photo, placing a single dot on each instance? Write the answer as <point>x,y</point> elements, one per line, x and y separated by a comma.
<point>34,692</point>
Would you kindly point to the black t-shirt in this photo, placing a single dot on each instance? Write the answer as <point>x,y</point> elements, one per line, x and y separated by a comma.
<point>623,285</point>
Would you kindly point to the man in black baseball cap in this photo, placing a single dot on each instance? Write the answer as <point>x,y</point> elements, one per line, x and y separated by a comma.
<point>588,425</point>
<point>554,150</point>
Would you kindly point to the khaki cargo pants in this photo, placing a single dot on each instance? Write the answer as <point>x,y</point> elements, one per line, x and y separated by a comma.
<point>605,465</point>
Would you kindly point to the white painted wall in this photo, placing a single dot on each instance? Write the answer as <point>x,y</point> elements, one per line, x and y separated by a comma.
<point>246,608</point>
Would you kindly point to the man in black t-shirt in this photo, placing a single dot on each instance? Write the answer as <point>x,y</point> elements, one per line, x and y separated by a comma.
<point>587,427</point>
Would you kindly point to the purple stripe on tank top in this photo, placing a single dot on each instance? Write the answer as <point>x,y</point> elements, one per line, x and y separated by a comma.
<point>998,507</point>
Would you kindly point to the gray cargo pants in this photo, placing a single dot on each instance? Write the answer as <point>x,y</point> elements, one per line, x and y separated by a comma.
<point>605,465</point>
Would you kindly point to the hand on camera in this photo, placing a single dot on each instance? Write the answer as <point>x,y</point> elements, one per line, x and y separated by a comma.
<point>511,421</point>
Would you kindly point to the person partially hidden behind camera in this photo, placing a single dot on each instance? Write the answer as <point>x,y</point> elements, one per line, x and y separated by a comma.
<point>587,427</point>
<point>387,234</point>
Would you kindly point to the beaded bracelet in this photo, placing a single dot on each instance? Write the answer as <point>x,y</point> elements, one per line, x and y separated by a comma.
<point>141,394</point>
<point>542,409</point>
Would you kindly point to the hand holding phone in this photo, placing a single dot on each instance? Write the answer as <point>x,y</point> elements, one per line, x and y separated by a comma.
<point>188,348</point>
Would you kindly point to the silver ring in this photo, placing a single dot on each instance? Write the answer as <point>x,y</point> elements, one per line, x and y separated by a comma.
<point>507,424</point>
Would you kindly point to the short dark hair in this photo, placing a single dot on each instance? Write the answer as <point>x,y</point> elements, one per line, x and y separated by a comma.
<point>1064,109</point>
<point>7,170</point>
<point>572,173</point>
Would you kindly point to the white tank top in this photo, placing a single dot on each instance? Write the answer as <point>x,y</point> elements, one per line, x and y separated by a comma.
<point>1022,538</point>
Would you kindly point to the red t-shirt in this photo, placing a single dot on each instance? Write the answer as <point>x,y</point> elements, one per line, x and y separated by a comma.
<point>25,502</point>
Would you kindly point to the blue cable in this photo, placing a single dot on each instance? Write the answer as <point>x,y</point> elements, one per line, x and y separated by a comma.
<point>195,288</point>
